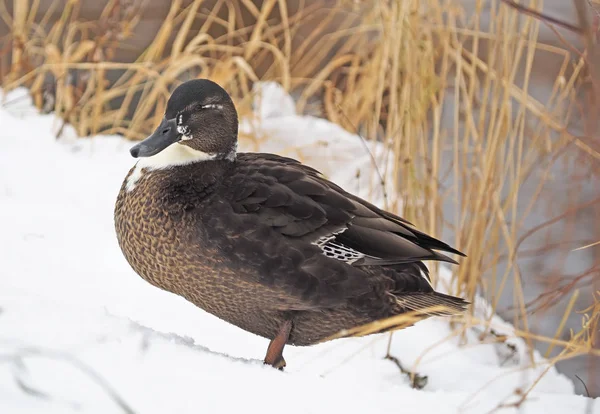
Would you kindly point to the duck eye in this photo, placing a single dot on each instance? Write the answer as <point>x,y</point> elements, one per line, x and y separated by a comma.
<point>212,106</point>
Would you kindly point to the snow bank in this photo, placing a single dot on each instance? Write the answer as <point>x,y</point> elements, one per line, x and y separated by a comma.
<point>81,332</point>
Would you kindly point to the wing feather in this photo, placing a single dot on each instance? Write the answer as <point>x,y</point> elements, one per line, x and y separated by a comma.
<point>330,233</point>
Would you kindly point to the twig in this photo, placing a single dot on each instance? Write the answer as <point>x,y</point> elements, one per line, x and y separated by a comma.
<point>584,386</point>
<point>568,212</point>
<point>105,385</point>
<point>417,381</point>
<point>587,246</point>
<point>593,52</point>
<point>542,17</point>
<point>373,160</point>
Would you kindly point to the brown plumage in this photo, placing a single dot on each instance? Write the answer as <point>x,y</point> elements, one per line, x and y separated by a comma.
<point>262,241</point>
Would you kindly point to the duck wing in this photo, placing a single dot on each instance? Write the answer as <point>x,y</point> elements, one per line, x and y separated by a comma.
<point>325,235</point>
<point>299,202</point>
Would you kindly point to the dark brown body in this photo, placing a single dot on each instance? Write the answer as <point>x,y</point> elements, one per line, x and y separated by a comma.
<point>180,229</point>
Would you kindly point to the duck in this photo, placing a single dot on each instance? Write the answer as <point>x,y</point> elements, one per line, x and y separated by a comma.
<point>262,241</point>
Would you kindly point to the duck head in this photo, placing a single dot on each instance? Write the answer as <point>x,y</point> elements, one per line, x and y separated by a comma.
<point>200,123</point>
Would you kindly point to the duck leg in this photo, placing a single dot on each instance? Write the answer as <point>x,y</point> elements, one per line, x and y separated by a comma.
<point>274,355</point>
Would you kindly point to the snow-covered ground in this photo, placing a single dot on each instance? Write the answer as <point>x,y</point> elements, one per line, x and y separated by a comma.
<point>81,332</point>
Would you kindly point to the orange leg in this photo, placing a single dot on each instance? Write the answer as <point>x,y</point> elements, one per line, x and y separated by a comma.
<point>274,355</point>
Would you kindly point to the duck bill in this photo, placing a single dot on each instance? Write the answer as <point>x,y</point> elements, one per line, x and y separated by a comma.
<point>166,134</point>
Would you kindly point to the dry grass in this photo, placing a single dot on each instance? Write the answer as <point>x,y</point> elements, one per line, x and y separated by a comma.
<point>449,98</point>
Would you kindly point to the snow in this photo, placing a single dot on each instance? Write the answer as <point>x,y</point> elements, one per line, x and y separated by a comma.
<point>81,332</point>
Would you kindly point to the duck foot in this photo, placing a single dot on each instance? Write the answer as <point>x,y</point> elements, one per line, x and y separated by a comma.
<point>274,355</point>
<point>279,363</point>
<point>417,380</point>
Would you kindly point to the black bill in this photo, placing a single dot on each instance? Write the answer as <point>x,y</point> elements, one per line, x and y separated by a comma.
<point>163,136</point>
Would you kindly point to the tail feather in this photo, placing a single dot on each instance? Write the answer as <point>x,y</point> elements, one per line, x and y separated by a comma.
<point>432,303</point>
<point>424,305</point>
